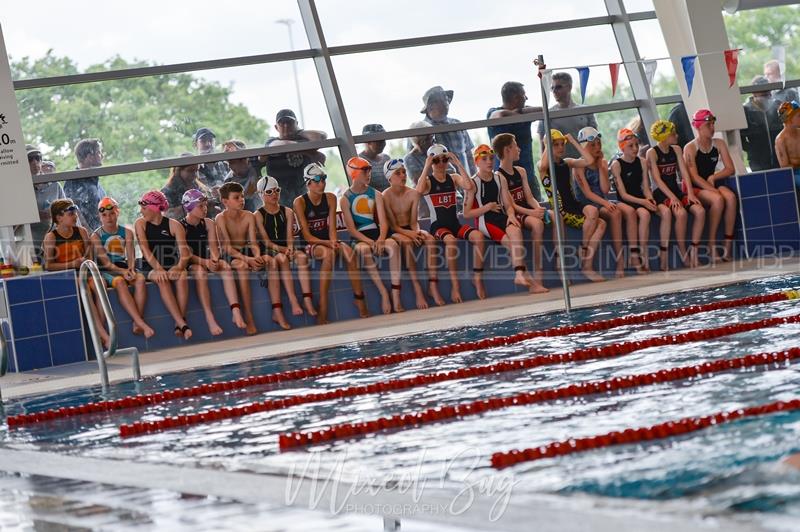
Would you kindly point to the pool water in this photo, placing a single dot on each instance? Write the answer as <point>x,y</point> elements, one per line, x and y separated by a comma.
<point>732,467</point>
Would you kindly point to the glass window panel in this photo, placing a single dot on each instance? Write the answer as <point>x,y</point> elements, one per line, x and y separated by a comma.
<point>633,6</point>
<point>472,71</point>
<point>351,22</point>
<point>94,33</point>
<point>650,43</point>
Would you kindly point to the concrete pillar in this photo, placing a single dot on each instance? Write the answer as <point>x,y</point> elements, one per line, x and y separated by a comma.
<point>694,27</point>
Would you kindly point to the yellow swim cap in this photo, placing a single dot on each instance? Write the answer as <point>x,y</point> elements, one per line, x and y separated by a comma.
<point>557,135</point>
<point>661,129</point>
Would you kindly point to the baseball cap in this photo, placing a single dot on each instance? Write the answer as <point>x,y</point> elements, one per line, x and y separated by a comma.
<point>701,116</point>
<point>588,134</point>
<point>391,165</point>
<point>373,128</point>
<point>266,183</point>
<point>233,145</point>
<point>202,132</point>
<point>285,113</point>
<point>436,150</point>
<point>31,149</point>
<point>192,198</point>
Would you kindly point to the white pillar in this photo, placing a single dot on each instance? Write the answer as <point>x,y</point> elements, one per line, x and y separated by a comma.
<point>694,27</point>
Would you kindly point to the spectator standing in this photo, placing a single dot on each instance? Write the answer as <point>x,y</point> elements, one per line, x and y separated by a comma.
<point>416,157</point>
<point>46,194</point>
<point>763,125</point>
<point>180,180</point>
<point>287,168</point>
<point>213,174</point>
<point>772,71</point>
<point>243,172</point>
<point>373,152</point>
<point>561,87</point>
<point>87,192</point>
<point>436,109</point>
<point>514,98</point>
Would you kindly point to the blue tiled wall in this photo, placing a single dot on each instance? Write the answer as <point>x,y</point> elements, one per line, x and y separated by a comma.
<point>45,318</point>
<point>769,214</point>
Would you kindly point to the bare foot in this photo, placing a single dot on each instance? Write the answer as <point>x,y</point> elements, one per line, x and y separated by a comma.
<point>593,276</point>
<point>422,303</point>
<point>297,310</point>
<point>477,280</point>
<point>397,304</point>
<point>236,318</point>
<point>183,331</point>
<point>148,331</point>
<point>321,320</point>
<point>433,291</point>
<point>251,330</point>
<point>620,273</point>
<point>213,327</point>
<point>386,304</point>
<point>279,319</point>
<point>308,303</point>
<point>455,293</point>
<point>522,279</point>
<point>137,330</point>
<point>363,312</point>
<point>663,261</point>
<point>537,288</point>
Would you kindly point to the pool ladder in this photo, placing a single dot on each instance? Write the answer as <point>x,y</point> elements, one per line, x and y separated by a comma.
<point>90,268</point>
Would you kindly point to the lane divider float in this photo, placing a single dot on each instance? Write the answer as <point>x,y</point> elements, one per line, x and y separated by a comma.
<point>447,412</point>
<point>611,350</point>
<point>386,360</point>
<point>659,431</point>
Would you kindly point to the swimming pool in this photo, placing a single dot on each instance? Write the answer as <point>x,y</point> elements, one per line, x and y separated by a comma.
<point>726,469</point>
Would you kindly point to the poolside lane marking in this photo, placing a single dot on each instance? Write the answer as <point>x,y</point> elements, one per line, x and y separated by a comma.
<point>607,351</point>
<point>384,360</point>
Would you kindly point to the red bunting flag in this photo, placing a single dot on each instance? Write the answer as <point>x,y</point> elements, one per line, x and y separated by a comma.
<point>613,69</point>
<point>732,64</point>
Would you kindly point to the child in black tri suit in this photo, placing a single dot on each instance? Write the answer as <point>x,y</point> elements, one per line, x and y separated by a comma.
<point>574,212</point>
<point>665,160</point>
<point>316,214</point>
<point>201,236</point>
<point>702,156</point>
<point>438,187</point>
<point>165,255</point>
<point>490,203</point>
<point>276,227</point>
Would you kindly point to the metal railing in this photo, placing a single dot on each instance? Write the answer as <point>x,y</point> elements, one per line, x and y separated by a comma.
<point>3,354</point>
<point>90,268</point>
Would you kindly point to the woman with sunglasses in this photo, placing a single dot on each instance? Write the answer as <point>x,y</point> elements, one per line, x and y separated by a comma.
<point>276,225</point>
<point>114,249</point>
<point>702,156</point>
<point>66,247</point>
<point>438,187</point>
<point>165,255</point>
<point>594,186</point>
<point>316,214</point>
<point>665,160</point>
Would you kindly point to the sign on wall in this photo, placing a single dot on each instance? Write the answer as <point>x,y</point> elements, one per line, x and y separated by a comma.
<point>17,199</point>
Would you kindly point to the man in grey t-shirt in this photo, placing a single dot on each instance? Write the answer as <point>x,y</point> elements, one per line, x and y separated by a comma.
<point>373,152</point>
<point>561,87</point>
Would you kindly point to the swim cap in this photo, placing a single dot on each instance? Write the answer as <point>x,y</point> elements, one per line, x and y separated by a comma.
<point>107,202</point>
<point>390,166</point>
<point>359,163</point>
<point>436,150</point>
<point>702,116</point>
<point>556,135</point>
<point>266,183</point>
<point>155,200</point>
<point>314,172</point>
<point>661,129</point>
<point>787,110</point>
<point>624,136</point>
<point>192,198</point>
<point>588,134</point>
<point>481,151</point>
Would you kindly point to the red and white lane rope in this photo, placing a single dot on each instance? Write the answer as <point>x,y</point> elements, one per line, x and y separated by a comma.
<point>611,350</point>
<point>386,360</point>
<point>630,435</point>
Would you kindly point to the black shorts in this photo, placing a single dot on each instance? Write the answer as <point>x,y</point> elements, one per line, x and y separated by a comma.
<point>458,230</point>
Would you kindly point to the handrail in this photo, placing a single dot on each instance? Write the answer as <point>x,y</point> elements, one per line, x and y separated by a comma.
<point>3,354</point>
<point>90,268</point>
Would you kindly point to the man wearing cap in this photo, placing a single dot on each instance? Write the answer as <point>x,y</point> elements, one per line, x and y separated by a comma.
<point>211,174</point>
<point>437,106</point>
<point>287,168</point>
<point>514,98</point>
<point>561,87</point>
<point>244,173</point>
<point>87,192</point>
<point>763,126</point>
<point>787,144</point>
<point>772,71</point>
<point>373,152</point>
<point>46,194</point>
